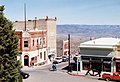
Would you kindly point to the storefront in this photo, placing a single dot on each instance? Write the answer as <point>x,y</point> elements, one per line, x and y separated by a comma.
<point>100,53</point>
<point>95,62</point>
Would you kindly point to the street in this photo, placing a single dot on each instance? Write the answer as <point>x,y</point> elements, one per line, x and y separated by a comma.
<point>43,74</point>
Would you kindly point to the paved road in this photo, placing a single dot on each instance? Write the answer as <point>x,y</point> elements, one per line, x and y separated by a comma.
<point>42,74</point>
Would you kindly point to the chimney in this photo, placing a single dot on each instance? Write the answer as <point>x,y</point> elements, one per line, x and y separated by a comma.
<point>46,18</point>
<point>55,18</point>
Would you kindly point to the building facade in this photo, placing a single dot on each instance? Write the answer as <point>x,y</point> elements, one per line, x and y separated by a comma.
<point>100,53</point>
<point>32,47</point>
<point>37,40</point>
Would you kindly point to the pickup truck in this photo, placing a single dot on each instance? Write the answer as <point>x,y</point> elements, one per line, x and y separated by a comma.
<point>111,76</point>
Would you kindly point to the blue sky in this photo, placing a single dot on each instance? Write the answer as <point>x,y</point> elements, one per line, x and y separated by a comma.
<point>99,12</point>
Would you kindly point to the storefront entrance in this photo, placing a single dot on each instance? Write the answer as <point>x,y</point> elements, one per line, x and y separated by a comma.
<point>26,60</point>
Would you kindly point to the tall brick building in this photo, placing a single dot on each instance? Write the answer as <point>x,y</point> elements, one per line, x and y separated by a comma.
<point>37,40</point>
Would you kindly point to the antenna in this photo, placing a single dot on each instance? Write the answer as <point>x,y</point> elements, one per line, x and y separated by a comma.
<point>25,14</point>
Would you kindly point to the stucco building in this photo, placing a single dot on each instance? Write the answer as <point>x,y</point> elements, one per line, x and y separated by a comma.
<point>102,52</point>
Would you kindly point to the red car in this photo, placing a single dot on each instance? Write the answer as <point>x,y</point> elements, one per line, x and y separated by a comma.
<point>111,76</point>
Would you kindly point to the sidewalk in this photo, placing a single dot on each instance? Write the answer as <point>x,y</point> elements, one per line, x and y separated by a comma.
<point>25,68</point>
<point>75,73</point>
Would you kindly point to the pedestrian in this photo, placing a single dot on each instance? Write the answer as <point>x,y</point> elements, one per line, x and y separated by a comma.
<point>54,67</point>
<point>99,71</point>
<point>70,67</point>
<point>88,71</point>
<point>31,63</point>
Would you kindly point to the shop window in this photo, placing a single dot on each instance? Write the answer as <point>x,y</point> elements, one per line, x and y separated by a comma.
<point>86,65</point>
<point>117,66</point>
<point>107,67</point>
<point>25,43</point>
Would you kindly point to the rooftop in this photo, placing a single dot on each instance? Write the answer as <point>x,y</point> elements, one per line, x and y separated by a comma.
<point>101,43</point>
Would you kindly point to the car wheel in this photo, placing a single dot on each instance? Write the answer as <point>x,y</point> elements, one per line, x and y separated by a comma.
<point>107,79</point>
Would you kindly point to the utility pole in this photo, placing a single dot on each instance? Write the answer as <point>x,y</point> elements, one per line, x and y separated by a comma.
<point>69,67</point>
<point>25,15</point>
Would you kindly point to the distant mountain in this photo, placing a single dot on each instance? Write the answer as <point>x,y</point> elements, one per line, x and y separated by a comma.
<point>89,30</point>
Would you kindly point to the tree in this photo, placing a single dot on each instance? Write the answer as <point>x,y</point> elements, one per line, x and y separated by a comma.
<point>9,65</point>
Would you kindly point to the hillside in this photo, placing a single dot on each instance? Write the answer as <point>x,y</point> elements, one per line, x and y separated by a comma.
<point>90,30</point>
<point>81,33</point>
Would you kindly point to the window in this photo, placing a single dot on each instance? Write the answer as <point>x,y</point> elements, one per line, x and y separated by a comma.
<point>40,55</point>
<point>86,65</point>
<point>44,55</point>
<point>40,42</point>
<point>107,67</point>
<point>19,44</point>
<point>117,66</point>
<point>37,41</point>
<point>33,42</point>
<point>43,40</point>
<point>25,43</point>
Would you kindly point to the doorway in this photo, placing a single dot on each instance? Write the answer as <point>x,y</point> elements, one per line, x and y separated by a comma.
<point>26,60</point>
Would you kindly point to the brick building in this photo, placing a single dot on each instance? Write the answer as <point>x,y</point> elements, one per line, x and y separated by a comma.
<point>37,40</point>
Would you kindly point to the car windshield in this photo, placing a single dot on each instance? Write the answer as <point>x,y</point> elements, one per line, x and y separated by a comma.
<point>64,56</point>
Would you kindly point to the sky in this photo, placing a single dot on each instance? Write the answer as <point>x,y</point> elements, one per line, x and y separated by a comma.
<point>90,12</point>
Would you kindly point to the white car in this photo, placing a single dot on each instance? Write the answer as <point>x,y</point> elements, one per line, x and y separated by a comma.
<point>58,59</point>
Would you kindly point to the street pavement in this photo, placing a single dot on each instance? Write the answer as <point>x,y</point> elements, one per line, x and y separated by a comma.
<point>43,74</point>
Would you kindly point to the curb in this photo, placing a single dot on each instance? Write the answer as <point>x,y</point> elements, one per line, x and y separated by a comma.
<point>76,74</point>
<point>84,76</point>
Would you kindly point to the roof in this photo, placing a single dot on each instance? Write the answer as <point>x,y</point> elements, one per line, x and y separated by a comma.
<point>30,24</point>
<point>101,43</point>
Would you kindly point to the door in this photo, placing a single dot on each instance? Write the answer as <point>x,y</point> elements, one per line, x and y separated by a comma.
<point>26,60</point>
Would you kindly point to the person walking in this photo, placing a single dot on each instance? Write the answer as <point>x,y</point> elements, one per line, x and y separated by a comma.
<point>54,67</point>
<point>31,63</point>
<point>99,71</point>
<point>88,71</point>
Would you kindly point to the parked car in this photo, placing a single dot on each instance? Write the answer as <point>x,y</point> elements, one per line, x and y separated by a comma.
<point>114,76</point>
<point>64,58</point>
<point>58,59</point>
<point>24,75</point>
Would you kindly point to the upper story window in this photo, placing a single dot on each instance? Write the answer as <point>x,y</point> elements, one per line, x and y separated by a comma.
<point>19,44</point>
<point>33,42</point>
<point>44,40</point>
<point>25,43</point>
<point>37,41</point>
<point>40,41</point>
